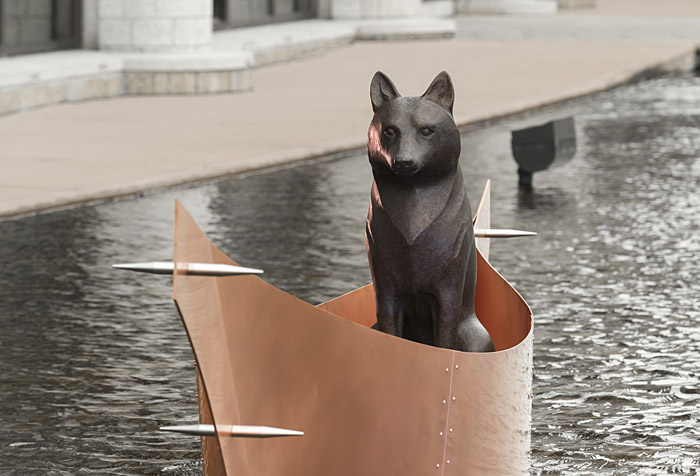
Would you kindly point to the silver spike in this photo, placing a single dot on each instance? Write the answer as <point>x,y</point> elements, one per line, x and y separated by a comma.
<point>196,430</point>
<point>500,233</point>
<point>262,431</point>
<point>193,269</point>
<point>236,431</point>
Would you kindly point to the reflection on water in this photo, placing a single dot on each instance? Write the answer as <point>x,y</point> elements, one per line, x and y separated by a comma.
<point>94,360</point>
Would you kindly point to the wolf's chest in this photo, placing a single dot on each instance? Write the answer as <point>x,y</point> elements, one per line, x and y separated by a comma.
<point>412,212</point>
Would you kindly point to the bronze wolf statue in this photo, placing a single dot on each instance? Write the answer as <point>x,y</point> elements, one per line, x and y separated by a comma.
<point>419,234</point>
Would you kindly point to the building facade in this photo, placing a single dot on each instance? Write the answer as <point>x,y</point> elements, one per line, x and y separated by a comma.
<point>65,50</point>
<point>30,26</point>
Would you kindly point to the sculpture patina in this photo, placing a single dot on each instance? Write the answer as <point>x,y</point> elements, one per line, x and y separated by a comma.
<point>419,234</point>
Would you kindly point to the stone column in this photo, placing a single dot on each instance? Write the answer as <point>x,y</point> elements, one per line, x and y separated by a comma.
<point>166,45</point>
<point>506,6</point>
<point>373,9</point>
<point>392,19</point>
<point>573,4</point>
<point>155,25</point>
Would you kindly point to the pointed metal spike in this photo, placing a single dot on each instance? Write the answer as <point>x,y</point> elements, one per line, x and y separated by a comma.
<point>501,233</point>
<point>212,269</point>
<point>153,267</point>
<point>235,431</point>
<point>262,431</point>
<point>193,269</point>
<point>196,430</point>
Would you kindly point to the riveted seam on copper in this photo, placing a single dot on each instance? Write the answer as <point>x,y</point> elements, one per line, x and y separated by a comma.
<point>447,416</point>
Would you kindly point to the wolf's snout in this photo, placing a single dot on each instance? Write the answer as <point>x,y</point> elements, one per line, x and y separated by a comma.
<point>402,166</point>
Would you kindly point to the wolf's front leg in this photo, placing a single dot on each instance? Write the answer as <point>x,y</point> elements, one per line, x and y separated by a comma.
<point>390,319</point>
<point>472,336</point>
<point>448,315</point>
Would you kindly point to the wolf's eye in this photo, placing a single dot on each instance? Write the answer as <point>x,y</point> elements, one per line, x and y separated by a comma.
<point>426,131</point>
<point>390,132</point>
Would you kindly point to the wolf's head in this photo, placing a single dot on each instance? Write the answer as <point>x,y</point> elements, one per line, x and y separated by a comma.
<point>412,136</point>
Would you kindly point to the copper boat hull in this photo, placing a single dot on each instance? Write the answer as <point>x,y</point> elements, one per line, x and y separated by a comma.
<point>368,403</point>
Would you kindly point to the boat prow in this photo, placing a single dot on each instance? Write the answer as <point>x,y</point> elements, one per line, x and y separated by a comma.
<point>367,403</point>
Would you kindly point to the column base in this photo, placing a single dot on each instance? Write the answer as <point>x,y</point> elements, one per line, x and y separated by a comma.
<point>507,6</point>
<point>178,73</point>
<point>575,4</point>
<point>405,28</point>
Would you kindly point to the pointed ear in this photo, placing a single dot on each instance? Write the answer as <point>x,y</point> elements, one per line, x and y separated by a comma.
<point>441,91</point>
<point>381,90</point>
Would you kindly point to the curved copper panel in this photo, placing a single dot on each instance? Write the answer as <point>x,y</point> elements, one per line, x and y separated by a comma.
<point>369,403</point>
<point>212,459</point>
<point>356,306</point>
<point>482,219</point>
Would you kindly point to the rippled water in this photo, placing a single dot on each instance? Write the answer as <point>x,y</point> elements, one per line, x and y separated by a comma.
<point>93,360</point>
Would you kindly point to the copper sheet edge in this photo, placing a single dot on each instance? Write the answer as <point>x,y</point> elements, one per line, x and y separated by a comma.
<point>482,219</point>
<point>369,403</point>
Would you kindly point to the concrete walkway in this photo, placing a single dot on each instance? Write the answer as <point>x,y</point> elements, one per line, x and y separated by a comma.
<point>70,153</point>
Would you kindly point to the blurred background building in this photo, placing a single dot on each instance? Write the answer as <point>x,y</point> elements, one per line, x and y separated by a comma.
<point>64,50</point>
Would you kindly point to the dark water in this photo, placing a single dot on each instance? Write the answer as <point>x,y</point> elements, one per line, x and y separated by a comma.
<point>93,360</point>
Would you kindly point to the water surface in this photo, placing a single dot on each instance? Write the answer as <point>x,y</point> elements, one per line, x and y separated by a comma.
<point>93,360</point>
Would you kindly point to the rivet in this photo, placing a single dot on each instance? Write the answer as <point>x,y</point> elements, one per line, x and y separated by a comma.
<point>447,370</point>
<point>440,433</point>
<point>448,461</point>
<point>450,430</point>
<point>533,367</point>
<point>438,465</point>
<point>457,366</point>
<point>444,401</point>
<point>454,398</point>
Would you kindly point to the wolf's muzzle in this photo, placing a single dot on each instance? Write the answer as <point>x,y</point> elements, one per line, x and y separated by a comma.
<point>404,167</point>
